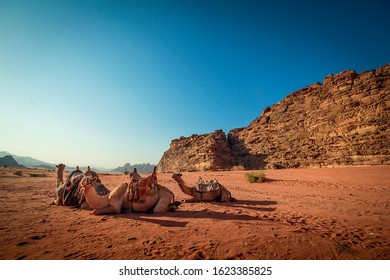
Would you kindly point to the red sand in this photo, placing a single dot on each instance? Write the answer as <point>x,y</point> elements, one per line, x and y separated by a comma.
<point>340,213</point>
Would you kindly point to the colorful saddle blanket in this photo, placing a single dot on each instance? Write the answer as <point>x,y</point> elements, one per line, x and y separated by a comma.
<point>70,189</point>
<point>138,191</point>
<point>206,186</point>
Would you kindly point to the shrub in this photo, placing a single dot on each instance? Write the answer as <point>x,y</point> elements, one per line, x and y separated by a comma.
<point>253,177</point>
<point>18,173</point>
<point>126,172</point>
<point>37,175</point>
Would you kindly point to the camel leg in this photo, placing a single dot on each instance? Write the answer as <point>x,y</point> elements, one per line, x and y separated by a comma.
<point>114,208</point>
<point>85,206</point>
<point>106,210</point>
<point>162,205</point>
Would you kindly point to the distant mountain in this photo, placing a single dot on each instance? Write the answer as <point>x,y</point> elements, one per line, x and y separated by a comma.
<point>9,161</point>
<point>32,162</point>
<point>29,161</point>
<point>141,168</point>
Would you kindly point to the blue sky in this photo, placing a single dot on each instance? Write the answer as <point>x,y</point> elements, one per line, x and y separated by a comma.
<point>103,83</point>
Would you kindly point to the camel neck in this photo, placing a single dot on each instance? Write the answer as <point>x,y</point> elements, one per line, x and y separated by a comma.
<point>92,198</point>
<point>183,186</point>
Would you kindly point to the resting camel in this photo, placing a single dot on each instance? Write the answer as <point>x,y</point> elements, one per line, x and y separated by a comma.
<point>60,180</point>
<point>68,193</point>
<point>218,194</point>
<point>141,195</point>
<point>103,204</point>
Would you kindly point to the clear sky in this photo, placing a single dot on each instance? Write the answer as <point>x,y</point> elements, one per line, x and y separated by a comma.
<point>103,83</point>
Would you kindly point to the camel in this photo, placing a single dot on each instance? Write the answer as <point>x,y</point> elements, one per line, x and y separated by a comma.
<point>103,204</point>
<point>60,180</point>
<point>216,194</point>
<point>127,196</point>
<point>68,193</point>
<point>60,173</point>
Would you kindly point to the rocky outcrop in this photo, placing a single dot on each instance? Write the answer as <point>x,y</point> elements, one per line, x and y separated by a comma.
<point>197,153</point>
<point>9,161</point>
<point>143,168</point>
<point>344,121</point>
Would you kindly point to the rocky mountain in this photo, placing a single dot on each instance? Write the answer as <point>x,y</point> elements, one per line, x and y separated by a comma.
<point>142,168</point>
<point>342,121</point>
<point>198,152</point>
<point>29,161</point>
<point>35,163</point>
<point>9,161</point>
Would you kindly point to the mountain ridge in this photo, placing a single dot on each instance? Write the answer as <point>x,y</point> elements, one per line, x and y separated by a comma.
<point>9,161</point>
<point>27,161</point>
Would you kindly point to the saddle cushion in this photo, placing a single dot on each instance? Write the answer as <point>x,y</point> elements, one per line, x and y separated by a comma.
<point>207,186</point>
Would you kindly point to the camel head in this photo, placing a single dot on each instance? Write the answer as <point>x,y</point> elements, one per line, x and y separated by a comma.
<point>60,167</point>
<point>92,173</point>
<point>177,176</point>
<point>87,182</point>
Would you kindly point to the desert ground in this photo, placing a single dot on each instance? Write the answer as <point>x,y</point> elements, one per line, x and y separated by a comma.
<point>324,213</point>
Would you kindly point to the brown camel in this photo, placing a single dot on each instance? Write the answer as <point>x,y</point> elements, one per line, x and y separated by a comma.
<point>68,193</point>
<point>103,204</point>
<point>128,197</point>
<point>60,180</point>
<point>220,193</point>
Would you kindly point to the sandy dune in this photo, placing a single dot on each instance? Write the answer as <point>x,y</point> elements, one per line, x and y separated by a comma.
<point>340,213</point>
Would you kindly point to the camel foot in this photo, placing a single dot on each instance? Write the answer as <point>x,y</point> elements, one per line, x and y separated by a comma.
<point>177,203</point>
<point>53,203</point>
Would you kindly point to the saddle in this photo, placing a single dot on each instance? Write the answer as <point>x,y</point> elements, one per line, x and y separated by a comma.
<point>69,190</point>
<point>140,189</point>
<point>206,186</point>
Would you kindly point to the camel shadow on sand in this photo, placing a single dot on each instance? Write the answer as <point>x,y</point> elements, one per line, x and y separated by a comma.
<point>263,206</point>
<point>167,219</point>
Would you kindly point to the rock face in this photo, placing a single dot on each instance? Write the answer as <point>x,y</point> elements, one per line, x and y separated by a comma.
<point>9,161</point>
<point>198,153</point>
<point>344,121</point>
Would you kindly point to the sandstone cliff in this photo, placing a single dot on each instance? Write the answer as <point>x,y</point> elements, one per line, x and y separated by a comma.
<point>198,152</point>
<point>344,121</point>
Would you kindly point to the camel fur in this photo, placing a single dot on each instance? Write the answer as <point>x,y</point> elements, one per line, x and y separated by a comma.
<point>103,204</point>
